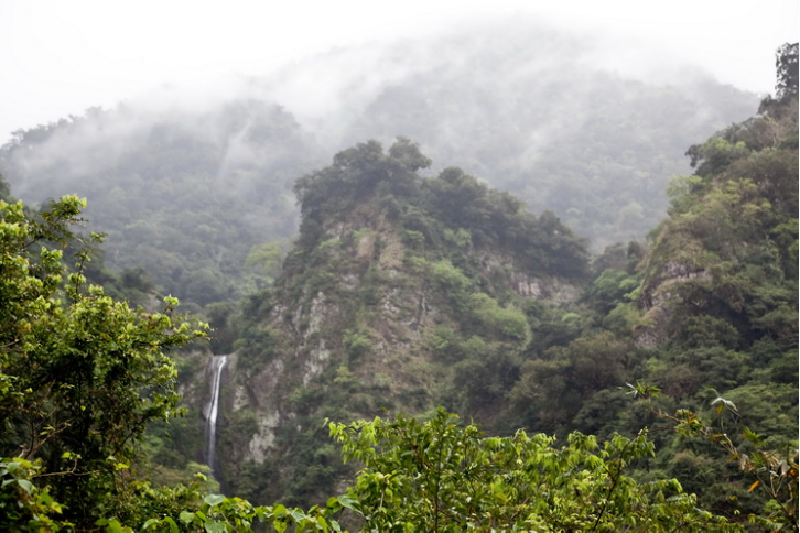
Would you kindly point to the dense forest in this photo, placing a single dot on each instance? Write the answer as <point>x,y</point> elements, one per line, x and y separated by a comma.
<point>651,386</point>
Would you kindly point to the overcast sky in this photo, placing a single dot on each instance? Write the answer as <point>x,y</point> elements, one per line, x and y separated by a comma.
<point>61,57</point>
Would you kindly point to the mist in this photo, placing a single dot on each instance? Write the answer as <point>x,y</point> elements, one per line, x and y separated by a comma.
<point>61,59</point>
<point>493,96</point>
<point>591,126</point>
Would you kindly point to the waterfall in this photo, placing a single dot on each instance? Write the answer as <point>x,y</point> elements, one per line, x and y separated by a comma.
<point>217,364</point>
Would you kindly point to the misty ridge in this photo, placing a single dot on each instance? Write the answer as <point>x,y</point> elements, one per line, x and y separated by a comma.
<point>592,129</point>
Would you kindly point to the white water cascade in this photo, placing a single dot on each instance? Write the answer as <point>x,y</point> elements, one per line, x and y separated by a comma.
<point>217,364</point>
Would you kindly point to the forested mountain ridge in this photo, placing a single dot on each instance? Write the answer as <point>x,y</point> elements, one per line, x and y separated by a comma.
<point>402,292</point>
<point>707,308</point>
<point>186,195</point>
<point>565,122</point>
<point>720,281</point>
<point>707,311</point>
<point>193,193</point>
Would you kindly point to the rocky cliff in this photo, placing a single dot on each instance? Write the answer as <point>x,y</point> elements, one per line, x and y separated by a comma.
<point>398,290</point>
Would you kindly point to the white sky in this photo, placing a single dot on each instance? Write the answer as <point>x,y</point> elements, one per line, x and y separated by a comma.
<point>60,57</point>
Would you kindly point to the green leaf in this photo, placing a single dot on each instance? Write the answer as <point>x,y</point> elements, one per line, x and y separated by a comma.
<point>115,527</point>
<point>348,502</point>
<point>214,499</point>
<point>216,527</point>
<point>173,527</point>
<point>26,485</point>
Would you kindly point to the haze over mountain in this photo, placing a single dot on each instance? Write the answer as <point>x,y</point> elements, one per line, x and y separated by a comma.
<point>61,59</point>
<point>526,108</point>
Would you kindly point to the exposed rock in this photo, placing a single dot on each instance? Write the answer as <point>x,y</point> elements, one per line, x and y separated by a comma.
<point>315,363</point>
<point>348,282</point>
<point>552,290</point>
<point>657,302</point>
<point>672,273</point>
<point>365,246</point>
<point>532,288</point>
<point>653,334</point>
<point>258,447</point>
<point>316,315</point>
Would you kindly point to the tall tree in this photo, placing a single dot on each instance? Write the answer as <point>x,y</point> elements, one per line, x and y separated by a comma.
<point>80,374</point>
<point>787,70</point>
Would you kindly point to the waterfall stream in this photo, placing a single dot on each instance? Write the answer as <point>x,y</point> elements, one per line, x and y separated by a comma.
<point>217,364</point>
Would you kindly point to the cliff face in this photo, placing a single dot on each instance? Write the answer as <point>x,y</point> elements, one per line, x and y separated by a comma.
<point>723,267</point>
<point>393,290</point>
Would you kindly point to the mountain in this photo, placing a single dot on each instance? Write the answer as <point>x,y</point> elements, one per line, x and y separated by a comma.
<point>590,130</point>
<point>186,195</point>
<point>405,291</point>
<point>720,286</point>
<point>199,192</point>
<point>400,293</point>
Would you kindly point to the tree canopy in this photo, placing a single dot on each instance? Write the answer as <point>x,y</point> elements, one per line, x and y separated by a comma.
<point>81,375</point>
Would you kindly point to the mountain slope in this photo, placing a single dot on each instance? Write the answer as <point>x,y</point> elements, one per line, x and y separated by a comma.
<point>186,195</point>
<point>567,123</point>
<point>400,293</point>
<point>404,293</point>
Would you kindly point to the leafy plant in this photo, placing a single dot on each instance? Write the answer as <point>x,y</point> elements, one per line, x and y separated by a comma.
<point>452,477</point>
<point>80,374</point>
